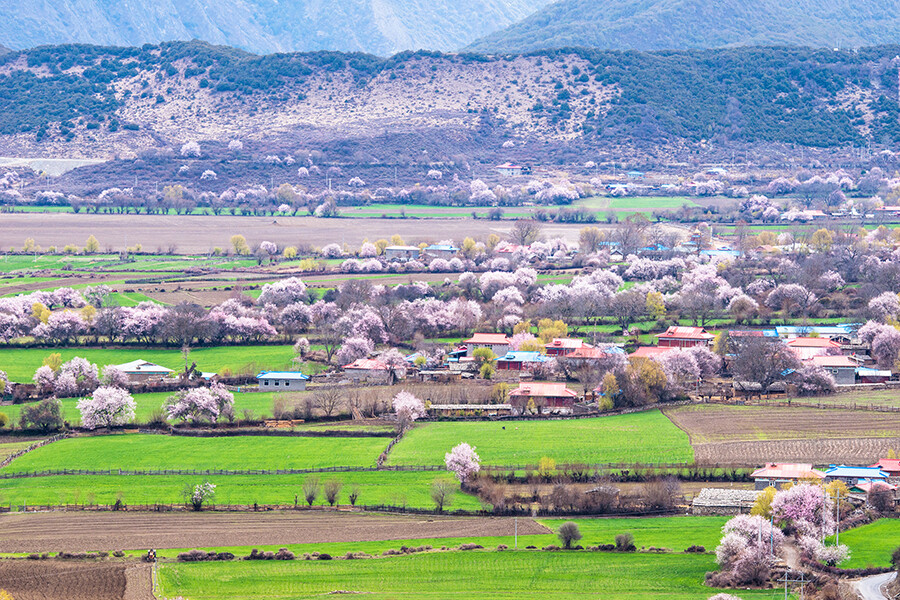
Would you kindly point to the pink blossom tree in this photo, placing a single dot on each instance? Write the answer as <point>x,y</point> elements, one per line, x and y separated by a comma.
<point>196,404</point>
<point>113,376</point>
<point>408,408</point>
<point>281,293</point>
<point>804,509</point>
<point>107,407</point>
<point>77,376</point>
<point>354,348</point>
<point>884,306</point>
<point>886,348</point>
<point>463,462</point>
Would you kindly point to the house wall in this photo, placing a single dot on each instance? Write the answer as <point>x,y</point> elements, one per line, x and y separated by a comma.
<point>368,375</point>
<point>283,384</point>
<point>497,349</point>
<point>846,376</point>
<point>676,343</point>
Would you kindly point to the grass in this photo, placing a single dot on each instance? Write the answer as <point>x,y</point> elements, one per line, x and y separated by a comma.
<point>479,574</point>
<point>640,437</point>
<point>872,544</point>
<point>148,451</point>
<point>857,397</point>
<point>410,489</point>
<point>21,363</point>
<point>602,203</point>
<point>8,448</point>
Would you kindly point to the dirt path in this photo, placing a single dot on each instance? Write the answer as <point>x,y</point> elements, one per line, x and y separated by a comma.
<point>79,532</point>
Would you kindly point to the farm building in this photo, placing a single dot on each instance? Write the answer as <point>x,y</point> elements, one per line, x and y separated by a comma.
<point>368,370</point>
<point>497,342</point>
<point>509,170</point>
<point>843,334</point>
<point>855,475</point>
<point>283,380</point>
<point>401,253</point>
<point>440,251</point>
<point>564,346</point>
<point>807,347</point>
<point>589,354</point>
<point>842,368</point>
<point>891,466</point>
<point>723,501</point>
<point>142,371</point>
<point>867,375</point>
<point>520,361</point>
<point>684,337</point>
<point>865,487</point>
<point>777,474</point>
<point>651,351</point>
<point>555,397</point>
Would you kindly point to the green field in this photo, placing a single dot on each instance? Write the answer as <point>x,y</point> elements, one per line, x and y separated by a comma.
<point>872,544</point>
<point>409,489</point>
<point>7,448</point>
<point>638,203</point>
<point>496,575</point>
<point>148,451</point>
<point>21,363</point>
<point>640,437</point>
<point>259,402</point>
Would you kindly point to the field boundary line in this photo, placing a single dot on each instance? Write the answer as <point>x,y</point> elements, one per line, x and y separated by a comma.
<point>6,461</point>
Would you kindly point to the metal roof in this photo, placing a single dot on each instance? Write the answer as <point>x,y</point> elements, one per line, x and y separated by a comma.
<point>293,375</point>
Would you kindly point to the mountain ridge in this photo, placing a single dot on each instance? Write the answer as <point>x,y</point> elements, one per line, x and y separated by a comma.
<point>381,27</point>
<point>648,25</point>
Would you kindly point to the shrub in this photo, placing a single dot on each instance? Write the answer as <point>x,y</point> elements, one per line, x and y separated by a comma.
<point>895,559</point>
<point>551,548</point>
<point>284,554</point>
<point>118,554</point>
<point>695,549</point>
<point>568,533</point>
<point>4,420</point>
<point>502,547</point>
<point>324,556</point>
<point>470,547</point>
<point>625,543</point>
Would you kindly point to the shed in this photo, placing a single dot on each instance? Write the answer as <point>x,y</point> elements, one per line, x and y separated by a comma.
<point>368,370</point>
<point>282,380</point>
<point>142,371</point>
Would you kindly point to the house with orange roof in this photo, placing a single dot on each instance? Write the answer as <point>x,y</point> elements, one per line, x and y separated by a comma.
<point>547,396</point>
<point>684,337</point>
<point>368,370</point>
<point>891,466</point>
<point>777,474</point>
<point>497,342</point>
<point>807,347</point>
<point>842,368</point>
<point>651,351</point>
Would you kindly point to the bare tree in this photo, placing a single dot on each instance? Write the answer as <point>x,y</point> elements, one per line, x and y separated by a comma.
<point>525,233</point>
<point>332,489</point>
<point>311,489</point>
<point>327,399</point>
<point>442,494</point>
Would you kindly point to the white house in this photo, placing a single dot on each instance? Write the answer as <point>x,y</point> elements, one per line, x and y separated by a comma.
<point>282,380</point>
<point>142,371</point>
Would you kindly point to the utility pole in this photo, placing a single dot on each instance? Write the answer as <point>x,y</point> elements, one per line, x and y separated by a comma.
<point>517,534</point>
<point>787,579</point>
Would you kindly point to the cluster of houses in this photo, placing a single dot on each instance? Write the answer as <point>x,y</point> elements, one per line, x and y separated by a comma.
<point>835,348</point>
<point>859,482</point>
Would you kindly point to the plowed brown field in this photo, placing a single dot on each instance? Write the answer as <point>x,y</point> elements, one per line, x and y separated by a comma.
<point>75,532</point>
<point>753,435</point>
<point>74,580</point>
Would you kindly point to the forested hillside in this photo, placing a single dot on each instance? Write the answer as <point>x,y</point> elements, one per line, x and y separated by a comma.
<point>263,26</point>
<point>86,100</point>
<point>681,24</point>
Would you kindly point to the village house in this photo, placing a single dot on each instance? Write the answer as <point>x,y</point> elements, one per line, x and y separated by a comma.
<point>401,253</point>
<point>497,342</point>
<point>564,346</point>
<point>509,170</point>
<point>807,347</point>
<point>547,397</point>
<point>891,466</point>
<point>843,333</point>
<point>651,351</point>
<point>368,370</point>
<point>778,474</point>
<point>520,361</point>
<point>855,475</point>
<point>842,368</point>
<point>142,371</point>
<point>467,410</point>
<point>282,380</point>
<point>440,251</point>
<point>684,337</point>
<point>588,354</point>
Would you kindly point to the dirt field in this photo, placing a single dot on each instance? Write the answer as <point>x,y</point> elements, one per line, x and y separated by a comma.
<point>198,233</point>
<point>75,580</point>
<point>754,435</point>
<point>77,532</point>
<point>856,451</point>
<point>718,423</point>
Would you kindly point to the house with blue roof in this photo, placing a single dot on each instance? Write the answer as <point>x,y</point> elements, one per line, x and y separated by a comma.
<point>520,361</point>
<point>855,475</point>
<point>441,251</point>
<point>293,381</point>
<point>842,333</point>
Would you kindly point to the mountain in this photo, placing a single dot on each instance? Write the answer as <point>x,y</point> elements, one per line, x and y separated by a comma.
<point>3,50</point>
<point>682,24</point>
<point>417,108</point>
<point>380,27</point>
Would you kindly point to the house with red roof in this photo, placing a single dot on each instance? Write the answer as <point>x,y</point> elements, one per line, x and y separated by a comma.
<point>547,396</point>
<point>651,351</point>
<point>565,346</point>
<point>684,337</point>
<point>891,466</point>
<point>497,342</point>
<point>368,370</point>
<point>807,347</point>
<point>778,474</point>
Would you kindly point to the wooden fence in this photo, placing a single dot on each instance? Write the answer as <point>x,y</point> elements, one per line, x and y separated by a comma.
<point>33,446</point>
